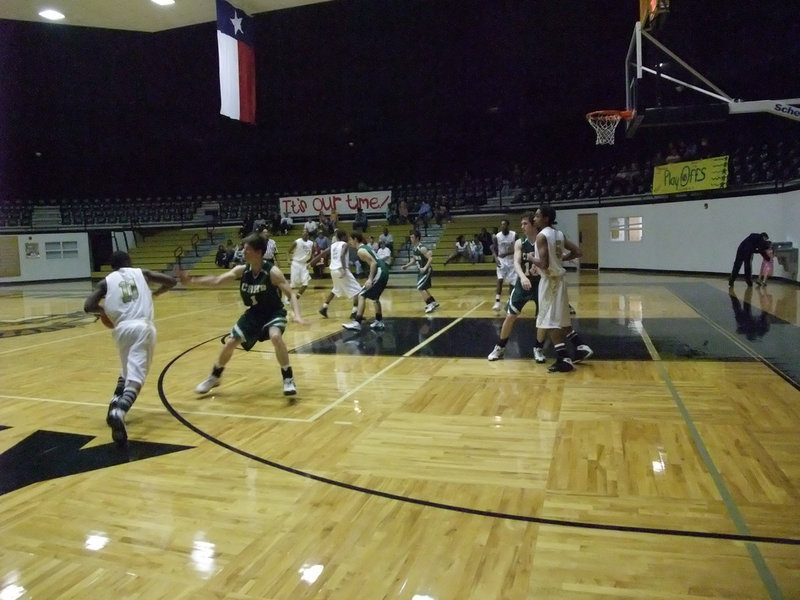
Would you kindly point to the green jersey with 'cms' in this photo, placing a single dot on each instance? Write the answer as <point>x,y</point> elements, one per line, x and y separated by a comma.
<point>527,247</point>
<point>257,290</point>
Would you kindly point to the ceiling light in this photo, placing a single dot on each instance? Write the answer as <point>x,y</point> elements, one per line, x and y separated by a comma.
<point>163,2</point>
<point>51,14</point>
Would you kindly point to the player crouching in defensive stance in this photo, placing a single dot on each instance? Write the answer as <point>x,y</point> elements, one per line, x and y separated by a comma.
<point>128,309</point>
<point>376,282</point>
<point>261,286</point>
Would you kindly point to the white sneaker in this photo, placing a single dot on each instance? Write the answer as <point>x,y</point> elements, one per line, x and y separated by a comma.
<point>377,325</point>
<point>429,308</point>
<point>582,352</point>
<point>498,353</point>
<point>289,388</point>
<point>352,326</point>
<point>206,386</point>
<point>538,355</point>
<point>496,306</point>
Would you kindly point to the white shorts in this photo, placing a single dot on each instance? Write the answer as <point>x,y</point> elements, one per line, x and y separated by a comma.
<point>553,304</point>
<point>136,342</point>
<point>299,275</point>
<point>507,273</point>
<point>344,284</point>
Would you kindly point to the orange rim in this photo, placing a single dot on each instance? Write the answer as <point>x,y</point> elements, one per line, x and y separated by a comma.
<point>599,114</point>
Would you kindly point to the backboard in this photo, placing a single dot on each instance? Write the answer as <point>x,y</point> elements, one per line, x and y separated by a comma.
<point>663,89</point>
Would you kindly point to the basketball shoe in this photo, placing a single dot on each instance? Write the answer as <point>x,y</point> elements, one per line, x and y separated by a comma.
<point>429,308</point>
<point>582,352</point>
<point>497,354</point>
<point>116,421</point>
<point>289,388</point>
<point>562,365</point>
<point>207,385</point>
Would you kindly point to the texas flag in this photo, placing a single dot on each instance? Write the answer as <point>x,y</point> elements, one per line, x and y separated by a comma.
<point>237,65</point>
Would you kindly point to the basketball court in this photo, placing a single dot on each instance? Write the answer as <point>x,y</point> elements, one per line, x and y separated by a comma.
<point>408,465</point>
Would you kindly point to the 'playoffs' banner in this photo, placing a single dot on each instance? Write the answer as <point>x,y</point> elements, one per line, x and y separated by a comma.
<point>691,176</point>
<point>344,204</point>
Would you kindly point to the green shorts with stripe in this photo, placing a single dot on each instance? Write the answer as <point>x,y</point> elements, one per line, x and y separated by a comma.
<point>250,325</point>
<point>378,285</point>
<point>424,279</point>
<point>520,297</point>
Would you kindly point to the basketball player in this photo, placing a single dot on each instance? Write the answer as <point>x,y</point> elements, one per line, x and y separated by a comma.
<point>503,254</point>
<point>261,286</point>
<point>553,300</point>
<point>525,289</point>
<point>300,251</point>
<point>128,306</point>
<point>377,278</point>
<point>344,284</point>
<point>423,258</point>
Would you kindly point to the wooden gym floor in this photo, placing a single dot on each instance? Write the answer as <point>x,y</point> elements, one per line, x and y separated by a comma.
<point>409,467</point>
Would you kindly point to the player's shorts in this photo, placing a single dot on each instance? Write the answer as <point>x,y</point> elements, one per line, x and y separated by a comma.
<point>299,275</point>
<point>553,303</point>
<point>520,297</point>
<point>250,325</point>
<point>378,285</point>
<point>424,280</point>
<point>136,342</point>
<point>507,274</point>
<point>344,284</point>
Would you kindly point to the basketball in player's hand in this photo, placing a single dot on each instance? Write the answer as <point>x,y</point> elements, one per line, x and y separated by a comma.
<point>106,321</point>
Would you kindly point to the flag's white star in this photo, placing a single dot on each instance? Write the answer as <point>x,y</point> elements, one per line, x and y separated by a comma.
<point>237,23</point>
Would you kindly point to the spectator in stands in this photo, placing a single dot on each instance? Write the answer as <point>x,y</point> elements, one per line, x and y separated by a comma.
<point>360,222</point>
<point>387,239</point>
<point>476,249</point>
<point>334,221</point>
<point>286,223</point>
<point>673,155</point>
<point>443,214</point>
<point>424,214</point>
<point>220,259</point>
<point>311,227</point>
<point>238,254</point>
<point>372,243</point>
<point>461,250</point>
<point>258,222</point>
<point>321,244</point>
<point>384,253</point>
<point>402,212</point>
<point>486,241</point>
<point>229,250</point>
<point>705,150</point>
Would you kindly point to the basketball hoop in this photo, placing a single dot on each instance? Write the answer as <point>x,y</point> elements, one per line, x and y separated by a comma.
<point>605,123</point>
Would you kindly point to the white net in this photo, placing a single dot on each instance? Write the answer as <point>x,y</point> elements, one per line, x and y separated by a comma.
<point>605,124</point>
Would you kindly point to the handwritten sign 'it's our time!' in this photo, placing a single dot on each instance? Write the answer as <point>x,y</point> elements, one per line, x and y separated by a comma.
<point>691,176</point>
<point>344,204</point>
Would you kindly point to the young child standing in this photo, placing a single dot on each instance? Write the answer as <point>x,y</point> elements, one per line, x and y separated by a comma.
<point>767,265</point>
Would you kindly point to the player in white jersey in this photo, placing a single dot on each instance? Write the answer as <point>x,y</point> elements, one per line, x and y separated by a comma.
<point>128,308</point>
<point>503,253</point>
<point>344,284</point>
<point>301,251</point>
<point>554,313</point>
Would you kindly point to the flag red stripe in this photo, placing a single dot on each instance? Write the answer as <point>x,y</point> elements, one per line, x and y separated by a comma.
<point>247,84</point>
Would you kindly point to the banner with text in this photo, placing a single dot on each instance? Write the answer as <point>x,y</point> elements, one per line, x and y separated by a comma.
<point>344,204</point>
<point>691,176</point>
